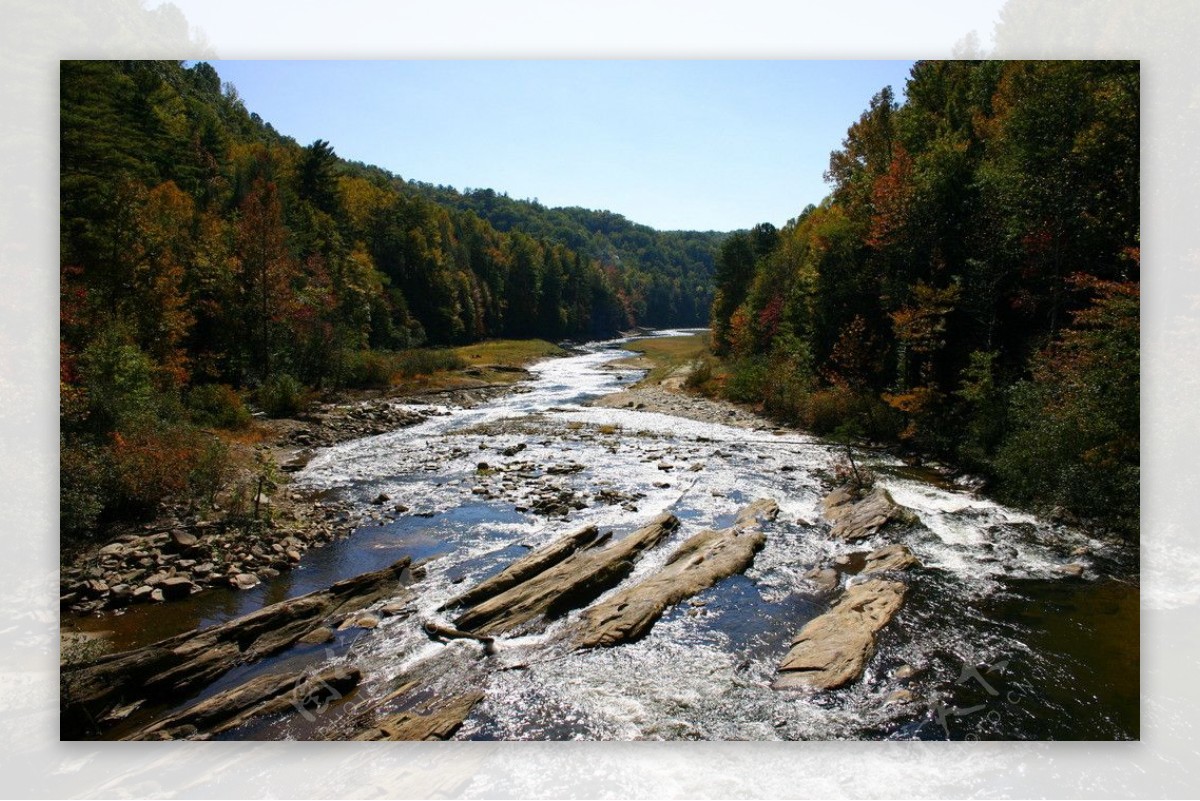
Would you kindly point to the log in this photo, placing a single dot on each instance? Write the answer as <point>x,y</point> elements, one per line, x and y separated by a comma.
<point>528,566</point>
<point>696,565</point>
<point>573,582</point>
<point>169,668</point>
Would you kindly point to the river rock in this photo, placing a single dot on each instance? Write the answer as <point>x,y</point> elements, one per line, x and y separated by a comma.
<point>855,518</point>
<point>243,581</point>
<point>436,719</point>
<point>833,649</point>
<point>1074,569</point>
<point>177,587</point>
<point>889,557</point>
<point>697,564</point>
<point>529,565</point>
<point>573,582</point>
<point>318,636</point>
<point>825,579</point>
<point>171,668</point>
<point>309,693</point>
<point>184,539</point>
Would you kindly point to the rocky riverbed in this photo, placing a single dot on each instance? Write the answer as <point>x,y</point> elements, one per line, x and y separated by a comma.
<point>591,561</point>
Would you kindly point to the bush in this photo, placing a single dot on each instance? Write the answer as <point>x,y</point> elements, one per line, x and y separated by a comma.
<point>83,487</point>
<point>217,406</point>
<point>281,395</point>
<point>747,381</point>
<point>368,369</point>
<point>426,361</point>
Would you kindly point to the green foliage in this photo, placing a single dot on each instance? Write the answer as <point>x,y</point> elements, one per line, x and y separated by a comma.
<point>281,395</point>
<point>1075,422</point>
<point>917,301</point>
<point>217,406</point>
<point>426,361</point>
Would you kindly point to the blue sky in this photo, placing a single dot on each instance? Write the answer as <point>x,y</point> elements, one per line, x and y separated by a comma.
<point>673,144</point>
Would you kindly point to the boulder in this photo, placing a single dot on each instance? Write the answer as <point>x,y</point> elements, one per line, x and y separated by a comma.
<point>697,564</point>
<point>889,557</point>
<point>833,649</point>
<point>855,518</point>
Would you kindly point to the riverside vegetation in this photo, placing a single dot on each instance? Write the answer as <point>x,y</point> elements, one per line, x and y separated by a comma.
<point>970,289</point>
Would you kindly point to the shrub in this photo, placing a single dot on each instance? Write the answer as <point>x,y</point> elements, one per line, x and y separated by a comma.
<point>217,406</point>
<point>426,361</point>
<point>747,381</point>
<point>83,486</point>
<point>368,369</point>
<point>281,395</point>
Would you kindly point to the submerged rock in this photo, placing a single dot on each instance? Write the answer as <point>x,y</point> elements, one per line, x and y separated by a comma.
<point>833,649</point>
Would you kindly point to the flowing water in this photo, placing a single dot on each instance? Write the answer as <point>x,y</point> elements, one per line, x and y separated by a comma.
<point>996,641</point>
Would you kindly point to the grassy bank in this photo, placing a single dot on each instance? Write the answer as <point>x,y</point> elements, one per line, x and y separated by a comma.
<point>663,356</point>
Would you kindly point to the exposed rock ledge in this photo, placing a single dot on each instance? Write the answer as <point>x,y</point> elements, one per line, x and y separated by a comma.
<point>856,518</point>
<point>697,564</point>
<point>172,667</point>
<point>834,648</point>
<point>265,695</point>
<point>573,582</point>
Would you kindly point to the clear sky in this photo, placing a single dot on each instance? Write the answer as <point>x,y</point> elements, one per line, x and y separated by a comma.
<point>702,145</point>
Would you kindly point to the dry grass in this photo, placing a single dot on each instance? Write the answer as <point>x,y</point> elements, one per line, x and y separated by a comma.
<point>664,355</point>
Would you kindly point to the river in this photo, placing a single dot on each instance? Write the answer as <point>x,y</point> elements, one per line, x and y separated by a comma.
<point>994,642</point>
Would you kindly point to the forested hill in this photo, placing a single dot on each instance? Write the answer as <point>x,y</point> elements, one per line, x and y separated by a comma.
<point>970,286</point>
<point>207,258</point>
<point>667,274</point>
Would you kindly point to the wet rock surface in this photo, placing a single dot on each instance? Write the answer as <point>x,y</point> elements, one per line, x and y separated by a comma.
<point>855,517</point>
<point>171,667</point>
<point>697,564</point>
<point>833,649</point>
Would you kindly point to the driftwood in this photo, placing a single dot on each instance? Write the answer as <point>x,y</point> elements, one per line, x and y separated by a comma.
<point>526,567</point>
<point>266,695</point>
<point>834,648</point>
<point>696,565</point>
<point>569,584</point>
<point>172,667</point>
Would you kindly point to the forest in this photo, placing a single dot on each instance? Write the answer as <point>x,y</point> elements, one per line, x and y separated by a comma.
<point>969,289</point>
<point>207,260</point>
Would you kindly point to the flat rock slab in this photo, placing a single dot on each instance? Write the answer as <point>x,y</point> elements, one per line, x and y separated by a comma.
<point>856,518</point>
<point>169,668</point>
<point>437,719</point>
<point>833,649</point>
<point>575,581</point>
<point>696,565</point>
<point>266,695</point>
<point>890,558</point>
<point>526,567</point>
